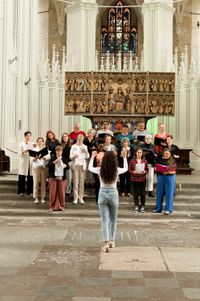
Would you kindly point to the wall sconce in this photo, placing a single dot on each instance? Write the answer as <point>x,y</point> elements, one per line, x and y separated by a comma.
<point>10,61</point>
<point>27,82</point>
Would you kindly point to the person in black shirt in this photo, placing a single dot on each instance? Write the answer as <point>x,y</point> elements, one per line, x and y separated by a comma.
<point>51,142</point>
<point>173,148</point>
<point>66,144</point>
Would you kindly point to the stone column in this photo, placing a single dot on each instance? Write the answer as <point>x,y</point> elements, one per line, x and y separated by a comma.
<point>177,114</point>
<point>195,35</point>
<point>158,33</point>
<point>43,27</point>
<point>51,98</point>
<point>81,43</point>
<point>195,162</point>
<point>2,20</point>
<point>197,138</point>
<point>187,116</point>
<point>81,35</point>
<point>61,108</point>
<point>41,86</point>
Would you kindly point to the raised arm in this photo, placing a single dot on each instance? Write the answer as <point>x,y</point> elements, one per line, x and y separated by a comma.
<point>124,168</point>
<point>90,166</point>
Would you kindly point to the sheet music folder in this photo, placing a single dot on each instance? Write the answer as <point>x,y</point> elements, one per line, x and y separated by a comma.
<point>159,141</point>
<point>43,152</point>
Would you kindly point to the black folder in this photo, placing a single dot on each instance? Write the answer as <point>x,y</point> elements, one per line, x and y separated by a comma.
<point>148,151</point>
<point>140,138</point>
<point>43,152</point>
<point>158,141</point>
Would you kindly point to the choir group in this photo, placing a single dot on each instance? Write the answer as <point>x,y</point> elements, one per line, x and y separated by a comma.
<point>75,162</point>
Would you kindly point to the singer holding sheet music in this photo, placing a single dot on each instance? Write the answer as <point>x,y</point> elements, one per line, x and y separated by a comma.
<point>160,139</point>
<point>138,169</point>
<point>57,180</point>
<point>40,170</point>
<point>25,166</point>
<point>166,182</point>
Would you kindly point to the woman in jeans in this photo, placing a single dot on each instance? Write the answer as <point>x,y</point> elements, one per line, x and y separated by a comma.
<point>166,182</point>
<point>108,195</point>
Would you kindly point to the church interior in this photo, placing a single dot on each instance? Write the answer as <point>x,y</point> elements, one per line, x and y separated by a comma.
<point>43,41</point>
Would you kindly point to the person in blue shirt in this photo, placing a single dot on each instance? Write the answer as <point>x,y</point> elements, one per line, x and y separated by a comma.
<point>124,134</point>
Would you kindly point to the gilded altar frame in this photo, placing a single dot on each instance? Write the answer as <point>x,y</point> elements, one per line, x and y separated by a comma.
<point>119,93</point>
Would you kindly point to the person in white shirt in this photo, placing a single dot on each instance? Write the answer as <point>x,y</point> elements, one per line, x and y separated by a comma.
<point>25,166</point>
<point>40,172</point>
<point>78,154</point>
<point>108,199</point>
<point>108,146</point>
<point>140,132</point>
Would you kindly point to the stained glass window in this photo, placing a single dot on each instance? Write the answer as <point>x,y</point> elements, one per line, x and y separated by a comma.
<point>119,35</point>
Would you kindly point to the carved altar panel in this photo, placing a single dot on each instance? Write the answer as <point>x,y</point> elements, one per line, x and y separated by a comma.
<point>119,93</point>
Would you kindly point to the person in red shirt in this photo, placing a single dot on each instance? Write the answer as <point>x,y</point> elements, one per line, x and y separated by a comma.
<point>160,139</point>
<point>138,169</point>
<point>77,131</point>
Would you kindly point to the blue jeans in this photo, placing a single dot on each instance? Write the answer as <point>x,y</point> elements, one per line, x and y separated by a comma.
<point>108,202</point>
<point>165,187</point>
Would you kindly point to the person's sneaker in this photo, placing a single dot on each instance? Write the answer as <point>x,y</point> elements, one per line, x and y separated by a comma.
<point>75,201</point>
<point>166,212</point>
<point>136,208</point>
<point>20,194</point>
<point>81,201</point>
<point>43,201</point>
<point>142,210</point>
<point>106,248</point>
<point>128,194</point>
<point>150,194</point>
<point>111,244</point>
<point>36,201</point>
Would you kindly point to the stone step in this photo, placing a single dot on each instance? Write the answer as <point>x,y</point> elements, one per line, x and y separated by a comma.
<point>186,204</point>
<point>179,198</point>
<point>91,204</point>
<point>71,212</point>
<point>190,185</point>
<point>186,191</point>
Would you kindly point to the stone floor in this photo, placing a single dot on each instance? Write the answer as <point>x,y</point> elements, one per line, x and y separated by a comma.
<point>59,259</point>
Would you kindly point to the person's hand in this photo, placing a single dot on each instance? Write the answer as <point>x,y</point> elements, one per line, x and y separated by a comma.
<point>57,160</point>
<point>171,172</point>
<point>94,153</point>
<point>124,153</point>
<point>84,150</point>
<point>25,151</point>
<point>36,158</point>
